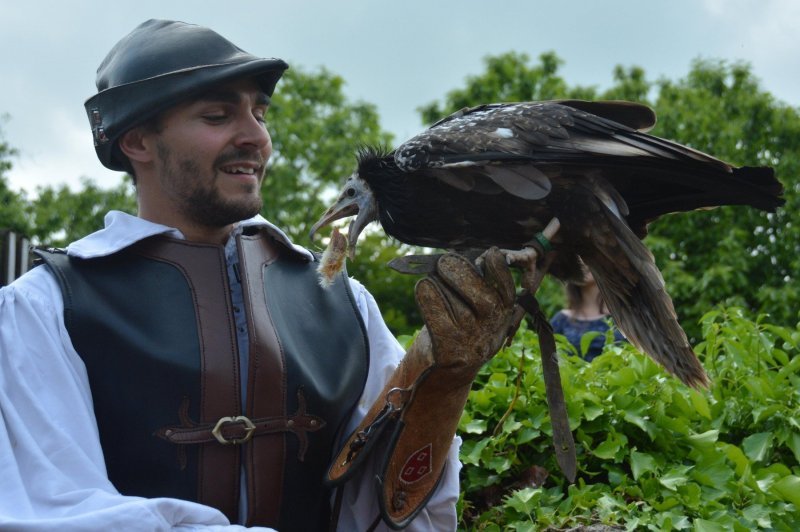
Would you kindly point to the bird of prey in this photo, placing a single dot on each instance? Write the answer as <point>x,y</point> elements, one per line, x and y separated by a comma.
<point>496,174</point>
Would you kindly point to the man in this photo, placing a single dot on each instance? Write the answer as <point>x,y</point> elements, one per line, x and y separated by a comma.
<point>183,369</point>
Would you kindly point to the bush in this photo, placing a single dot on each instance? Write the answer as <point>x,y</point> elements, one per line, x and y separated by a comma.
<point>652,453</point>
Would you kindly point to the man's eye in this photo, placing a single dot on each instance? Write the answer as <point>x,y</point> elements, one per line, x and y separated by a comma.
<point>215,118</point>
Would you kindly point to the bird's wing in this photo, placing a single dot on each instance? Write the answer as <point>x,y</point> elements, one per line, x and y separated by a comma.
<point>634,115</point>
<point>514,146</point>
<point>631,284</point>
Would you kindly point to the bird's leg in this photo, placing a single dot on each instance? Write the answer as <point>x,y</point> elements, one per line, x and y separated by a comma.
<point>526,257</point>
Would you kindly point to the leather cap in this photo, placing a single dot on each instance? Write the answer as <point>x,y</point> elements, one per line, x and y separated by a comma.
<point>159,64</point>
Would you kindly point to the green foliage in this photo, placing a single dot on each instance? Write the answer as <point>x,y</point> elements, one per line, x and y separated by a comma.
<point>60,215</point>
<point>508,78</point>
<point>731,255</point>
<point>12,204</point>
<point>652,454</point>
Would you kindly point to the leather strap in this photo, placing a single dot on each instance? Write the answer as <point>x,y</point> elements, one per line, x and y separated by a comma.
<point>266,387</point>
<point>237,430</point>
<point>205,269</point>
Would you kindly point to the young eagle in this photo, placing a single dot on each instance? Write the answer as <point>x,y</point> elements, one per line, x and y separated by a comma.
<point>494,175</point>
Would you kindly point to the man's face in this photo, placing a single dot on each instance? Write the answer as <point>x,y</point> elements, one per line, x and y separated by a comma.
<point>212,153</point>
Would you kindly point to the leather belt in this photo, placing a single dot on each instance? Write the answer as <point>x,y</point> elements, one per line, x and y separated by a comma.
<point>240,429</point>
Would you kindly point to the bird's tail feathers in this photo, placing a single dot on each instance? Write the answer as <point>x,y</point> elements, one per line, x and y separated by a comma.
<point>633,289</point>
<point>763,180</point>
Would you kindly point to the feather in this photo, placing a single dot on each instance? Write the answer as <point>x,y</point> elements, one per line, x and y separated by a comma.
<point>333,258</point>
<point>526,182</point>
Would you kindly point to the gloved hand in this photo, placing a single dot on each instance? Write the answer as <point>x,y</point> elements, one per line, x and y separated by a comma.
<point>468,318</point>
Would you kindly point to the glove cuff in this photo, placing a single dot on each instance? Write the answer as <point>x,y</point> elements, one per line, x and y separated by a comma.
<point>415,420</point>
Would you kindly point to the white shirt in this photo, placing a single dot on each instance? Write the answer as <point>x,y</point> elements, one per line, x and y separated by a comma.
<point>52,471</point>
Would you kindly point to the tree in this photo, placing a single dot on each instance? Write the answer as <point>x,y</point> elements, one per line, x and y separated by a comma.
<point>12,204</point>
<point>60,215</point>
<point>732,255</point>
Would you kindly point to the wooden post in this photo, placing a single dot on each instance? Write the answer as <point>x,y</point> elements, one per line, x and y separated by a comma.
<point>14,256</point>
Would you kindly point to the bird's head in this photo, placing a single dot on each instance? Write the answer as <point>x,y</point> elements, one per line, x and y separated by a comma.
<point>356,197</point>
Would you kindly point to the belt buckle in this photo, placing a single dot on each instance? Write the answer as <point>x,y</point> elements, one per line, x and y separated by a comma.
<point>249,428</point>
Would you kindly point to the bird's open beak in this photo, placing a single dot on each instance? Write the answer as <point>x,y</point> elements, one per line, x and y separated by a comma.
<point>361,204</point>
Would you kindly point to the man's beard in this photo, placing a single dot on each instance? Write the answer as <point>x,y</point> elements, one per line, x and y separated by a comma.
<point>201,201</point>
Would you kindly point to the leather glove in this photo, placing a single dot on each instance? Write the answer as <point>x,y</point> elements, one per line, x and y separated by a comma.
<point>468,317</point>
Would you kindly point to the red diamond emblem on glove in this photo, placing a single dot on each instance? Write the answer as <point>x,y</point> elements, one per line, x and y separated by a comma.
<point>418,465</point>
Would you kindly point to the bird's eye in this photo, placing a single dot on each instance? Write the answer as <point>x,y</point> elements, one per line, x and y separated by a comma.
<point>350,192</point>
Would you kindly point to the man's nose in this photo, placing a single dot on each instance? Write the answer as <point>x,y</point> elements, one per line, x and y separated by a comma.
<point>252,133</point>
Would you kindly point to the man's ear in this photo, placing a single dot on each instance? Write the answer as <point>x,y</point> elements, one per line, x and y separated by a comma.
<point>137,146</point>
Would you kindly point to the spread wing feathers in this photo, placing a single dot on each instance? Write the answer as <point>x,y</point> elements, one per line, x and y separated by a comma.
<point>519,148</point>
<point>544,131</point>
<point>633,289</point>
<point>634,115</point>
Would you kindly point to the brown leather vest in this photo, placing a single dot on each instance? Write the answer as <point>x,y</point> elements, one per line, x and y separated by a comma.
<point>155,328</point>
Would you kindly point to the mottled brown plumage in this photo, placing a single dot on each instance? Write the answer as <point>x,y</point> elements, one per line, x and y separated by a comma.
<point>494,175</point>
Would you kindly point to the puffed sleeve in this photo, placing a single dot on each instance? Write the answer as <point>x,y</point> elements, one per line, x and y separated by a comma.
<point>360,503</point>
<point>52,472</point>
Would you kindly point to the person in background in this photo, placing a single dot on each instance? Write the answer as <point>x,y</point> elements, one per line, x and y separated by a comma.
<point>586,312</point>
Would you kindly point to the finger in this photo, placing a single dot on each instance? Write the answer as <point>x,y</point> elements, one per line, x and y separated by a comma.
<point>435,309</point>
<point>498,275</point>
<point>463,278</point>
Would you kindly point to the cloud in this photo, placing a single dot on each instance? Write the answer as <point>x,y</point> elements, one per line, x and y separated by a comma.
<point>62,156</point>
<point>765,34</point>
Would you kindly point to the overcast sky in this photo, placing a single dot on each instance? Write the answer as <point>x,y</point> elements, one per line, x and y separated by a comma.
<point>398,55</point>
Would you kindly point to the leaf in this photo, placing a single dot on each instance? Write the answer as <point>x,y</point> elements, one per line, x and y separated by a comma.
<point>705,439</point>
<point>586,340</point>
<point>789,489</point>
<point>476,426</point>
<point>700,403</point>
<point>759,514</point>
<point>526,434</point>
<point>640,421</point>
<point>701,525</point>
<point>738,458</point>
<point>756,445</point>
<point>611,446</point>
<point>592,412</point>
<point>499,464</point>
<point>793,442</point>
<point>675,477</point>
<point>642,463</point>
<point>623,378</point>
<point>714,474</point>
<point>765,412</point>
<point>791,368</point>
<point>525,500</point>
<point>471,451</point>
